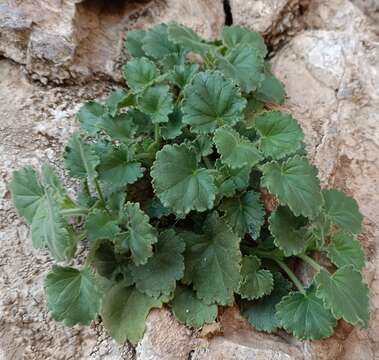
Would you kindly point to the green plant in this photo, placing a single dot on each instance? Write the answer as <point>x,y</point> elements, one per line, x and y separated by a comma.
<point>177,174</point>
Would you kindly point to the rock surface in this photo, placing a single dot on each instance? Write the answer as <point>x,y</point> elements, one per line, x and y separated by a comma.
<point>329,64</point>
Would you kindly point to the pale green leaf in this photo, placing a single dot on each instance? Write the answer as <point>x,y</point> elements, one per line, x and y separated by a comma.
<point>191,311</point>
<point>101,225</point>
<point>345,294</point>
<point>140,73</point>
<point>72,295</point>
<point>139,235</point>
<point>211,101</point>
<point>254,282</point>
<point>280,134</point>
<point>178,181</point>
<point>156,101</point>
<point>183,74</point>
<point>133,42</point>
<point>235,150</point>
<point>244,213</point>
<point>344,250</point>
<point>117,100</point>
<point>90,116</point>
<point>124,312</point>
<point>213,261</point>
<point>119,127</point>
<point>271,89</point>
<point>295,184</point>
<point>305,316</point>
<point>342,210</point>
<point>288,231</point>
<point>160,273</point>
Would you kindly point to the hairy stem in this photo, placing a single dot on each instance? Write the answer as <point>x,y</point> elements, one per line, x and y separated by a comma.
<point>291,275</point>
<point>100,193</point>
<point>311,262</point>
<point>157,134</point>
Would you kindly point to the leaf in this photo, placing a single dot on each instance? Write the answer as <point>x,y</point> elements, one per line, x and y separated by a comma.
<point>140,73</point>
<point>157,210</point>
<point>243,65</point>
<point>295,184</point>
<point>159,275</point>
<point>49,178</point>
<point>288,231</point>
<point>101,225</point>
<point>178,181</point>
<point>211,101</point>
<point>271,89</point>
<point>124,312</point>
<point>236,35</point>
<point>173,128</point>
<point>139,236</point>
<point>253,108</point>
<point>27,192</point>
<point>244,213</point>
<point>118,169</point>
<point>72,295</point>
<point>213,261</point>
<point>345,294</point>
<point>181,75</point>
<point>191,311</point>
<point>157,44</point>
<point>49,228</point>
<point>141,121</point>
<point>104,260</point>
<point>117,100</point>
<point>186,37</point>
<point>280,134</point>
<point>305,316</point>
<point>342,210</point>
<point>262,313</point>
<point>119,127</point>
<point>230,180</point>
<point>156,102</point>
<point>90,116</point>
<point>254,282</point>
<point>344,250</point>
<point>133,42</point>
<point>235,151</point>
<point>80,159</point>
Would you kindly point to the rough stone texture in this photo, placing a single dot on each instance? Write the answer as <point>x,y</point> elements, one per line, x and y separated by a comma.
<point>371,9</point>
<point>78,39</point>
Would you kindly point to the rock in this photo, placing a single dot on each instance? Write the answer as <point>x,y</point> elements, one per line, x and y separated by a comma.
<point>337,104</point>
<point>371,9</point>
<point>77,40</point>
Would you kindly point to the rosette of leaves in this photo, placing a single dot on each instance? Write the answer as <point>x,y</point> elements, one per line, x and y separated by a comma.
<point>170,210</point>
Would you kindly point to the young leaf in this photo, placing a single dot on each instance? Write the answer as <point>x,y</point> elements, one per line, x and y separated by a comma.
<point>289,235</point>
<point>139,236</point>
<point>72,295</point>
<point>211,101</point>
<point>117,168</point>
<point>124,312</point>
<point>80,159</point>
<point>244,213</point>
<point>156,43</point>
<point>90,116</point>
<point>183,74</point>
<point>295,183</point>
<point>262,313</point>
<point>254,282</point>
<point>344,250</point>
<point>342,210</point>
<point>191,311</point>
<point>186,37</point>
<point>230,180</point>
<point>236,35</point>
<point>304,315</point>
<point>156,102</point>
<point>118,99</point>
<point>213,261</point>
<point>178,181</point>
<point>119,127</point>
<point>345,294</point>
<point>140,73</point>
<point>271,89</point>
<point>280,134</point>
<point>27,192</point>
<point>159,275</point>
<point>101,225</point>
<point>244,65</point>
<point>235,151</point>
<point>173,128</point>
<point>133,42</point>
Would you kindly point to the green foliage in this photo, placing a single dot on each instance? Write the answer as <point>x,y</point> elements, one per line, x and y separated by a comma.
<point>178,172</point>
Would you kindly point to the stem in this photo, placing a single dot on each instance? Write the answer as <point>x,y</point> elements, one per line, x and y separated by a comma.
<point>292,276</point>
<point>207,162</point>
<point>310,261</point>
<point>157,135</point>
<point>74,212</point>
<point>101,196</point>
